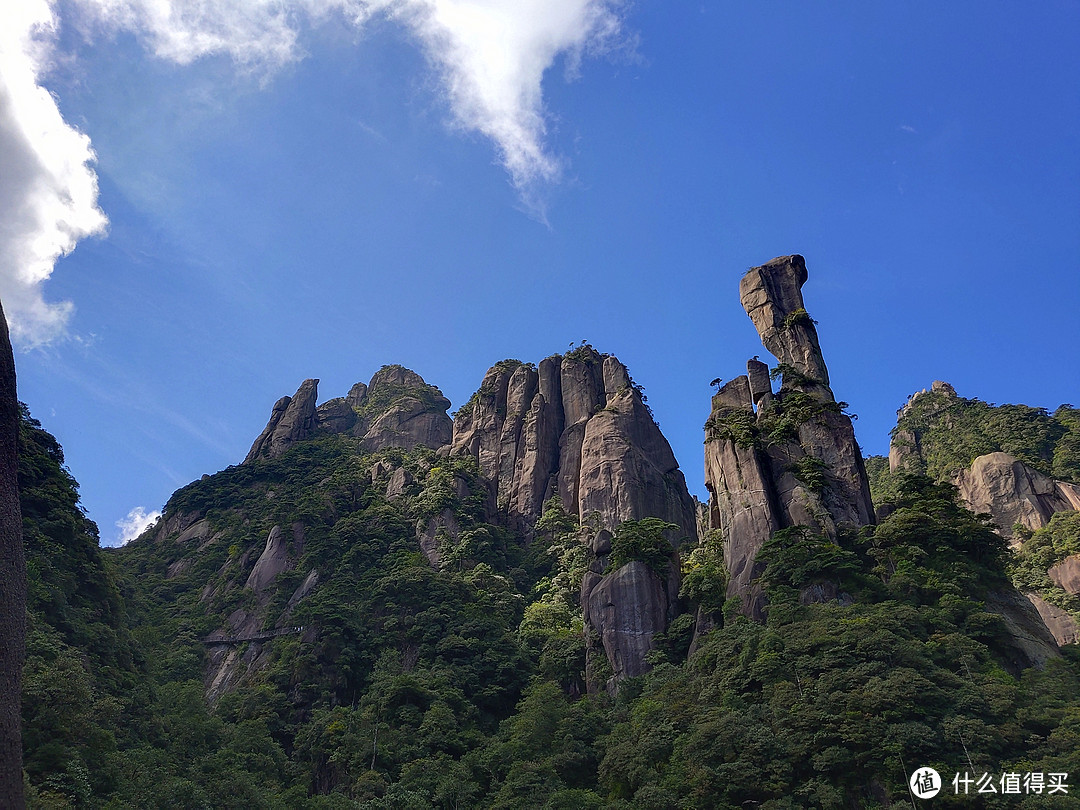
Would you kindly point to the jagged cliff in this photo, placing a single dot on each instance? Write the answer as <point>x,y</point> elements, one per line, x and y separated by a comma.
<point>576,427</point>
<point>785,458</point>
<point>389,608</point>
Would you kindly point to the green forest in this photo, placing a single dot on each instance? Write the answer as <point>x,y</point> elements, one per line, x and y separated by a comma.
<point>473,683</point>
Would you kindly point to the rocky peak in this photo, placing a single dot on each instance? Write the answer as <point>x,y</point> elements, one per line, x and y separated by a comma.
<point>399,409</point>
<point>292,419</point>
<point>357,394</point>
<point>772,296</point>
<point>577,426</point>
<point>786,458</point>
<point>396,409</point>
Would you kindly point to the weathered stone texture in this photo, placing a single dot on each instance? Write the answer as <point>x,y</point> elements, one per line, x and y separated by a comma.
<point>273,560</point>
<point>1013,493</point>
<point>1066,574</point>
<point>756,482</point>
<point>772,297</point>
<point>628,608</point>
<point>1060,623</point>
<point>414,414</point>
<point>577,426</point>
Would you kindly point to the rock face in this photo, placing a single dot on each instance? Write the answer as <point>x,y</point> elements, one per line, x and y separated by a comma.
<point>1057,621</point>
<point>271,562</point>
<point>772,297</point>
<point>291,420</point>
<point>574,426</point>
<point>627,608</point>
<point>788,458</point>
<point>1013,493</point>
<point>577,427</point>
<point>1066,574</point>
<point>1031,643</point>
<point>396,409</point>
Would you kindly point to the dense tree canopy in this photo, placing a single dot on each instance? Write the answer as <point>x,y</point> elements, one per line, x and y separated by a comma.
<point>460,680</point>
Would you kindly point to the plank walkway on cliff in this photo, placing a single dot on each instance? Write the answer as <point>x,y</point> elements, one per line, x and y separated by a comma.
<point>283,631</point>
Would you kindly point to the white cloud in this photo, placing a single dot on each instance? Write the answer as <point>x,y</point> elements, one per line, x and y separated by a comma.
<point>490,57</point>
<point>136,522</point>
<point>48,192</point>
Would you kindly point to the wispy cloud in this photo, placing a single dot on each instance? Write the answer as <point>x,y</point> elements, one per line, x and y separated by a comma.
<point>490,57</point>
<point>138,520</point>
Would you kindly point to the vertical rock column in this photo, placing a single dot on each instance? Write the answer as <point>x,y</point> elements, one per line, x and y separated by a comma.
<point>579,427</point>
<point>774,460</point>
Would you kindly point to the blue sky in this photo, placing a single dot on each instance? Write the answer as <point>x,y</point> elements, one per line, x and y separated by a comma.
<point>324,213</point>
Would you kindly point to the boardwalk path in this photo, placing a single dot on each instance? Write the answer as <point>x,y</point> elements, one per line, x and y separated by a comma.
<point>283,631</point>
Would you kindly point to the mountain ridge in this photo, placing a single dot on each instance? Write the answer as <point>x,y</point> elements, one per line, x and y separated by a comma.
<point>535,611</point>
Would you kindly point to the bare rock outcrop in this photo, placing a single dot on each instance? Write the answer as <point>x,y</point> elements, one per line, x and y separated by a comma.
<point>273,560</point>
<point>291,420</point>
<point>1013,493</point>
<point>1059,622</point>
<point>576,426</point>
<point>785,458</point>
<point>1066,574</point>
<point>1031,644</point>
<point>336,415</point>
<point>396,409</point>
<point>443,526</point>
<point>627,608</point>
<point>772,296</point>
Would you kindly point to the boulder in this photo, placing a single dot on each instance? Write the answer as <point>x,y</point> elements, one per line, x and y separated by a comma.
<point>757,374</point>
<point>1013,493</point>
<point>335,416</point>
